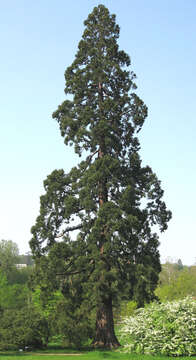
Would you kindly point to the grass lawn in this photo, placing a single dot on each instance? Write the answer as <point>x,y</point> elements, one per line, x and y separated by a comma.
<point>89,355</point>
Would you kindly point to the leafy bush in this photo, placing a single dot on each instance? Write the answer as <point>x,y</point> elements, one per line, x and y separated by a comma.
<point>167,329</point>
<point>23,328</point>
<point>127,308</point>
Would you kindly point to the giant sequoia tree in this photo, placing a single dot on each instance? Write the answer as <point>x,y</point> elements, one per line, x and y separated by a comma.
<point>96,230</point>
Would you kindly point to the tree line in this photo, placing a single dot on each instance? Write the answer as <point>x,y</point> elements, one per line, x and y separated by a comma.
<point>32,315</point>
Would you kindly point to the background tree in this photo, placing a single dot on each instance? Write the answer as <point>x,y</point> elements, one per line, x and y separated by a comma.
<point>109,198</point>
<point>9,255</point>
<point>180,264</point>
<point>169,272</point>
<point>177,283</point>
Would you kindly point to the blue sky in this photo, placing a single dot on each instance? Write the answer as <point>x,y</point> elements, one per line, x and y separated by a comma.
<point>38,41</point>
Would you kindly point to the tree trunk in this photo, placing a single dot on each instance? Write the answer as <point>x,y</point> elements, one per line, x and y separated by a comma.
<point>105,336</point>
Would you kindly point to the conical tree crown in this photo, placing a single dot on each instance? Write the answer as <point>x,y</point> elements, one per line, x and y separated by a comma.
<point>100,83</point>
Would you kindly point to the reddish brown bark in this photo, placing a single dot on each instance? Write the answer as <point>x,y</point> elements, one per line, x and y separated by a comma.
<point>105,336</point>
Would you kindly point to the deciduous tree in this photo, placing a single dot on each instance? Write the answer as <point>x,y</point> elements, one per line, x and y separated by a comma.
<point>9,255</point>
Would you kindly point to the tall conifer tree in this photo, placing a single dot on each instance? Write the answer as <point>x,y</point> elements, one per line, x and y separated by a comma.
<point>96,223</point>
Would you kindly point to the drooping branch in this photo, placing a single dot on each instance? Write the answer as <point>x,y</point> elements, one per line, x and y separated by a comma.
<point>71,273</point>
<point>70,228</point>
<point>89,158</point>
<point>107,92</point>
<point>92,262</point>
<point>127,112</point>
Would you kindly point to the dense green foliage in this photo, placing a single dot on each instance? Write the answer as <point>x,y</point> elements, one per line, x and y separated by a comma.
<point>74,324</point>
<point>176,282</point>
<point>30,318</point>
<point>168,329</point>
<point>109,198</point>
<point>9,255</point>
<point>127,308</point>
<point>23,328</point>
<point>21,324</point>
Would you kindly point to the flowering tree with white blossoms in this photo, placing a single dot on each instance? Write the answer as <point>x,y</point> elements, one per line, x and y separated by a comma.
<point>168,329</point>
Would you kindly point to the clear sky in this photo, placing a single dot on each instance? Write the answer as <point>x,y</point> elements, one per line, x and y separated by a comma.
<point>38,41</point>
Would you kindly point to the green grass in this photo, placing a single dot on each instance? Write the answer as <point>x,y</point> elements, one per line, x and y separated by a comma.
<point>89,355</point>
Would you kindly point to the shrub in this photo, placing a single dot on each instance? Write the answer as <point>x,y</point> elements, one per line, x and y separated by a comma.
<point>167,329</point>
<point>23,328</point>
<point>127,308</point>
